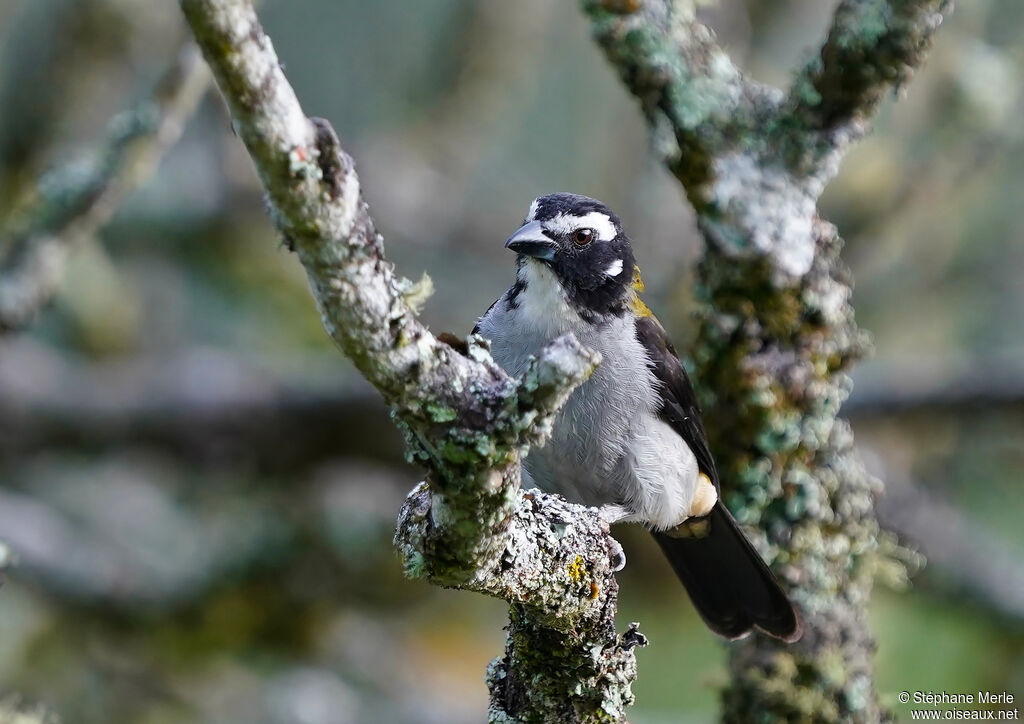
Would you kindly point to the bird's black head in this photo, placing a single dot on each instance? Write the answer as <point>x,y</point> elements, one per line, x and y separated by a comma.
<point>580,240</point>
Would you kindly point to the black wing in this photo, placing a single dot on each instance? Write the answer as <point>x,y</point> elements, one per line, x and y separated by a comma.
<point>728,582</point>
<point>678,402</point>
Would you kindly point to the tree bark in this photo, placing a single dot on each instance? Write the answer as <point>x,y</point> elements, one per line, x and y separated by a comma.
<point>468,525</point>
<point>777,331</point>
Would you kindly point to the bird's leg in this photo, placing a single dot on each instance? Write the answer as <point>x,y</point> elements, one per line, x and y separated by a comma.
<point>616,514</point>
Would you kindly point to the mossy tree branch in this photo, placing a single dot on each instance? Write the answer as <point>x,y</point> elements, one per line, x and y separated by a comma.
<point>466,421</point>
<point>777,330</point>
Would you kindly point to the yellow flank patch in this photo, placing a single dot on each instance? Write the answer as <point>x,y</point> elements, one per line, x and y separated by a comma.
<point>638,281</point>
<point>577,569</point>
<point>636,304</point>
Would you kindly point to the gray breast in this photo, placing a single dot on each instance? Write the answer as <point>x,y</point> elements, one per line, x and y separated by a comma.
<point>594,430</point>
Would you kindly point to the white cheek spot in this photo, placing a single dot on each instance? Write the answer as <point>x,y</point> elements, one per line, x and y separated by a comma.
<point>532,213</point>
<point>614,269</point>
<point>566,224</point>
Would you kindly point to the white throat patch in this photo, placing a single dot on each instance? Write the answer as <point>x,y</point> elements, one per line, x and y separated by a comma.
<point>614,269</point>
<point>543,304</point>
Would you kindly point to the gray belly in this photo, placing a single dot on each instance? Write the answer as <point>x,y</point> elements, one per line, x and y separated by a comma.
<point>585,460</point>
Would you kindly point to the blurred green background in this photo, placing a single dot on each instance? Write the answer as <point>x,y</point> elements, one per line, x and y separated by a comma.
<point>200,491</point>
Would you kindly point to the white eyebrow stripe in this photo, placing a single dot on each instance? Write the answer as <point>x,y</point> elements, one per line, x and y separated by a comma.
<point>614,269</point>
<point>532,214</point>
<point>567,223</point>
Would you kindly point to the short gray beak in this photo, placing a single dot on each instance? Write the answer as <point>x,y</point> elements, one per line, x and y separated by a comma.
<point>531,240</point>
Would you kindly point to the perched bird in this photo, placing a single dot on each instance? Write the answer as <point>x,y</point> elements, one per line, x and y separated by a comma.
<point>630,439</point>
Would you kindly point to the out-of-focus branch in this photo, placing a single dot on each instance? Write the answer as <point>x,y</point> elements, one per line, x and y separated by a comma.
<point>210,406</point>
<point>87,561</point>
<point>60,50</point>
<point>78,199</point>
<point>465,419</point>
<point>777,328</point>
<point>983,386</point>
<point>963,557</point>
<point>201,405</point>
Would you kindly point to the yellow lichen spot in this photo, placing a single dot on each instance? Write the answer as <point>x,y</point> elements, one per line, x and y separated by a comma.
<point>577,569</point>
<point>594,590</point>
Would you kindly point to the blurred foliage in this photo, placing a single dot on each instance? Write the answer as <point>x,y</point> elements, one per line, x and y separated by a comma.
<point>187,556</point>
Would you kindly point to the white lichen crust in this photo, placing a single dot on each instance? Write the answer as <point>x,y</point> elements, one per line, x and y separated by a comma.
<point>563,661</point>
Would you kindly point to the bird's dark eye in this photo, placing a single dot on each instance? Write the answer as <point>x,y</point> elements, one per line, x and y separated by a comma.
<point>583,236</point>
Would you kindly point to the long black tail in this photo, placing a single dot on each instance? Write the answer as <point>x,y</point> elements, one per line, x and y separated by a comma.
<point>730,586</point>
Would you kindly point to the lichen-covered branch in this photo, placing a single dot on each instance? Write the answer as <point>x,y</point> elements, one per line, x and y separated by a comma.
<point>76,200</point>
<point>563,660</point>
<point>873,46</point>
<point>693,96</point>
<point>465,420</point>
<point>777,330</point>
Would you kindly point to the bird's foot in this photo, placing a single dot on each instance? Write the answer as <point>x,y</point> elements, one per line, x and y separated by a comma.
<point>615,514</point>
<point>616,556</point>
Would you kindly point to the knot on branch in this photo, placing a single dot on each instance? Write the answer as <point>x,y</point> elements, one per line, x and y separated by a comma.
<point>330,158</point>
